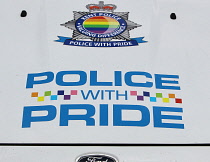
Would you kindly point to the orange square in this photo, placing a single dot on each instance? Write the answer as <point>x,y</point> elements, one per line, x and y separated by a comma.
<point>171,95</point>
<point>34,94</point>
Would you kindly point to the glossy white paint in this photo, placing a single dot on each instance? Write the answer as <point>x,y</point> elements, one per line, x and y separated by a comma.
<point>175,47</point>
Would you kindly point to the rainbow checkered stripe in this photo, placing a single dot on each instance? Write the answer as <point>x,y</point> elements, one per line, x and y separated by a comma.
<point>155,98</point>
<point>54,97</point>
<point>67,95</point>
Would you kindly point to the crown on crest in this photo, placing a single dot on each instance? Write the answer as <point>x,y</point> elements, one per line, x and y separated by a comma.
<point>101,7</point>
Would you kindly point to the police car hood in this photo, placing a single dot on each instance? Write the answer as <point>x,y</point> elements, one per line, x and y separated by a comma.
<point>105,72</point>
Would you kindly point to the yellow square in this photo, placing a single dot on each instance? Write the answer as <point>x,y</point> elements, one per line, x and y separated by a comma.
<point>166,100</point>
<point>40,99</point>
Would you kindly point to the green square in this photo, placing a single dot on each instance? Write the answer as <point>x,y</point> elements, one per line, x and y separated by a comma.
<point>47,93</point>
<point>159,95</point>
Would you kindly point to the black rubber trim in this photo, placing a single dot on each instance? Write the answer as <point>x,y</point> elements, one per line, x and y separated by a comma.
<point>101,144</point>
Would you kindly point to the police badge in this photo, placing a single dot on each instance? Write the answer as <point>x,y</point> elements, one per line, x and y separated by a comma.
<point>101,25</point>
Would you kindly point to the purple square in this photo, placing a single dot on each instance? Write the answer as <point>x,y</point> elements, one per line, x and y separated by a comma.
<point>67,97</point>
<point>140,98</point>
<point>146,94</point>
<point>60,92</point>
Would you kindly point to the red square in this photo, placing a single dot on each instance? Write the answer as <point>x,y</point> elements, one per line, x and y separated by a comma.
<point>73,92</point>
<point>133,93</point>
<point>178,100</point>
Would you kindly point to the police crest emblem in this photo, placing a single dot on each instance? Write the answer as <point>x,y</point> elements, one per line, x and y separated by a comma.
<point>102,26</point>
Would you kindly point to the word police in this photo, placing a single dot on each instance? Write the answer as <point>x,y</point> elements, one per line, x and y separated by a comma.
<point>142,79</point>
